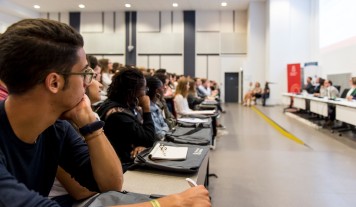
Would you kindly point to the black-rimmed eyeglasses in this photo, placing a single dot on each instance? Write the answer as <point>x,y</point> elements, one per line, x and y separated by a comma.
<point>87,74</point>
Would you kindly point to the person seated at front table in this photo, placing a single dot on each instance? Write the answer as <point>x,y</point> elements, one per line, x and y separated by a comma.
<point>319,89</point>
<point>351,94</point>
<point>330,90</point>
<point>309,86</point>
<point>128,120</point>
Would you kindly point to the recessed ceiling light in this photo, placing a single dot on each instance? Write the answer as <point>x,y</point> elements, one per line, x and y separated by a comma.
<point>127,5</point>
<point>223,4</point>
<point>82,6</point>
<point>36,6</point>
<point>175,5</point>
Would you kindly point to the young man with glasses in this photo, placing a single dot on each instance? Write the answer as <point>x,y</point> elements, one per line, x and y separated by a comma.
<point>43,64</point>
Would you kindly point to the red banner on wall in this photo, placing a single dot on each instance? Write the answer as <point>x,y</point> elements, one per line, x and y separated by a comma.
<point>293,77</point>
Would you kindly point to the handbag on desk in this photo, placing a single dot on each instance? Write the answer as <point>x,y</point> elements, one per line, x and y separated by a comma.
<point>190,135</point>
<point>111,198</point>
<point>194,158</point>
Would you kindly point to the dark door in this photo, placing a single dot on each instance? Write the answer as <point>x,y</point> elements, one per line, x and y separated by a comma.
<point>231,87</point>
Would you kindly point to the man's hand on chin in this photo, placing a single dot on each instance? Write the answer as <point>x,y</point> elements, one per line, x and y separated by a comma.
<point>81,114</point>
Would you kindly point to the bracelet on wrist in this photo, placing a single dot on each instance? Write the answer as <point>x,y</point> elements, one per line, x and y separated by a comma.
<point>93,136</point>
<point>155,203</point>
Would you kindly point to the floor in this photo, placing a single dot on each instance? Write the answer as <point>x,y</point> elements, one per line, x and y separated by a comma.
<point>257,166</point>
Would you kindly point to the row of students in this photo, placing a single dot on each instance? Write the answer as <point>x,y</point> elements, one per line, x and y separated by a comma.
<point>44,67</point>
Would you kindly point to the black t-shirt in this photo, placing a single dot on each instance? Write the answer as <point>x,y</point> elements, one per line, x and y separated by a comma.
<point>27,171</point>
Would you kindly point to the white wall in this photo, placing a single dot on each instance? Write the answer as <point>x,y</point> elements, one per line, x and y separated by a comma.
<point>11,13</point>
<point>231,64</point>
<point>288,38</point>
<point>339,57</point>
<point>160,40</point>
<point>255,67</point>
<point>7,20</point>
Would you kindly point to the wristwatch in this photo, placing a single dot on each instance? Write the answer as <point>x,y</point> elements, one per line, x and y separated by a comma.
<point>90,128</point>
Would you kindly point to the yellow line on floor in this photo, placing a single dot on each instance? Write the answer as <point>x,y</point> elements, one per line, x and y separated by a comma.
<point>277,127</point>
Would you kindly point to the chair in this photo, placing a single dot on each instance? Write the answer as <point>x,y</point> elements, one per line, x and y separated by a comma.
<point>344,93</point>
<point>170,105</point>
<point>338,87</point>
<point>344,127</point>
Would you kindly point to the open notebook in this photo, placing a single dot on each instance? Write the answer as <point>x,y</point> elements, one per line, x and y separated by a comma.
<point>193,120</point>
<point>164,152</point>
<point>208,112</point>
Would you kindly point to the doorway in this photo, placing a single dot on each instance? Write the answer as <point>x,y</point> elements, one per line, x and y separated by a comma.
<point>231,87</point>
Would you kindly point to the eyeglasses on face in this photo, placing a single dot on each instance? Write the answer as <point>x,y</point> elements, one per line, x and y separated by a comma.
<point>87,74</point>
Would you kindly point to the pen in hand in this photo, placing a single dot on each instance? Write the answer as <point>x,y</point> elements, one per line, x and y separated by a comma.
<point>191,182</point>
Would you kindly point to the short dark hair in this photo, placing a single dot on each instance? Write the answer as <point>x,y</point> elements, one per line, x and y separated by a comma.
<point>162,77</point>
<point>92,61</point>
<point>161,70</point>
<point>33,48</point>
<point>125,84</point>
<point>153,83</point>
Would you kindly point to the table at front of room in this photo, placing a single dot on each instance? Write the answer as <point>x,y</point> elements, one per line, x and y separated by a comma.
<point>346,111</point>
<point>298,100</point>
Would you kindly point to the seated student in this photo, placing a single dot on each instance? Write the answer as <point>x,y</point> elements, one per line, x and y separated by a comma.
<point>210,92</point>
<point>193,99</point>
<point>161,103</point>
<point>65,189</point>
<point>265,94</point>
<point>155,92</point>
<point>127,129</point>
<point>51,90</point>
<point>351,94</point>
<point>3,91</point>
<point>94,63</point>
<point>248,95</point>
<point>198,84</point>
<point>106,74</point>
<point>256,92</point>
<point>180,99</point>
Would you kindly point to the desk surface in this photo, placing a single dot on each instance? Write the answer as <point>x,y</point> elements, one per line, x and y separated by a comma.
<point>161,182</point>
<point>338,101</point>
